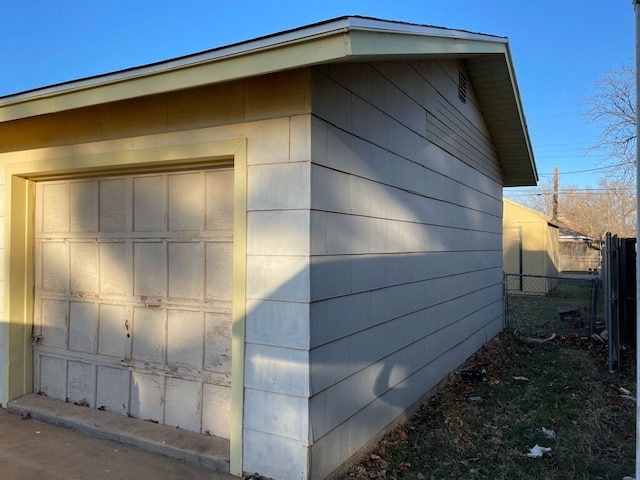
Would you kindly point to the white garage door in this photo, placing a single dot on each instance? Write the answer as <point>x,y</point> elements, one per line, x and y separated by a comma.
<point>133,295</point>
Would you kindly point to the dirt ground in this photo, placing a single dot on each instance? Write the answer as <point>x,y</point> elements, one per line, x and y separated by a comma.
<point>33,450</point>
<point>556,394</point>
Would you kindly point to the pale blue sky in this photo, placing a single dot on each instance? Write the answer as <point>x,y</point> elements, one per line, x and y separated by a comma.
<point>560,47</point>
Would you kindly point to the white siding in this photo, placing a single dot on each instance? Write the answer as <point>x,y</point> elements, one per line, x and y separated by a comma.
<point>276,376</point>
<point>405,245</point>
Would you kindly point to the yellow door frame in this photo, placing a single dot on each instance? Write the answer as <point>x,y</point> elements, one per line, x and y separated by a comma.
<point>17,371</point>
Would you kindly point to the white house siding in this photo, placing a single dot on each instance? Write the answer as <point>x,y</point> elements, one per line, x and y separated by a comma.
<point>406,253</point>
<point>276,378</point>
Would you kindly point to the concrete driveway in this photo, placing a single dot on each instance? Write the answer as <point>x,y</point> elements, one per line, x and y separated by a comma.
<point>30,449</point>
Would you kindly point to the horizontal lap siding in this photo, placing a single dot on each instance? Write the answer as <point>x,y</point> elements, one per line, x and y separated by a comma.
<point>406,256</point>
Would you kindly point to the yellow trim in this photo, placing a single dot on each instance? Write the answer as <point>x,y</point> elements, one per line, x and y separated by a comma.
<point>17,372</point>
<point>121,87</point>
<point>239,307</point>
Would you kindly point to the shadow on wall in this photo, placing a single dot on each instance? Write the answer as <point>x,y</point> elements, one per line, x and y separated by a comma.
<point>139,322</point>
<point>384,329</point>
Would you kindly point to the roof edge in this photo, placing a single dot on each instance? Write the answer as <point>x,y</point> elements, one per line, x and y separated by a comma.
<point>337,26</point>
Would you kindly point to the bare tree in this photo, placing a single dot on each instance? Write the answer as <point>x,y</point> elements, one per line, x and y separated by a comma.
<point>539,199</point>
<point>613,108</point>
<point>609,207</point>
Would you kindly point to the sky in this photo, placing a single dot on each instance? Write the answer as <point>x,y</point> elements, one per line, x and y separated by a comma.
<point>560,48</point>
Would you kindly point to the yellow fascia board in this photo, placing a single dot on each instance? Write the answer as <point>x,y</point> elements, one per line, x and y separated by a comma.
<point>17,364</point>
<point>152,80</point>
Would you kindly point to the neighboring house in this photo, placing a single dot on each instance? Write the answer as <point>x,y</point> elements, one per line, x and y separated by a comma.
<point>287,242</point>
<point>579,252</point>
<point>530,247</point>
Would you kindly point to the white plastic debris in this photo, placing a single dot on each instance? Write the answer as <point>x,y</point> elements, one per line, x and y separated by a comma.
<point>549,433</point>
<point>537,451</point>
<point>521,379</point>
<point>553,336</point>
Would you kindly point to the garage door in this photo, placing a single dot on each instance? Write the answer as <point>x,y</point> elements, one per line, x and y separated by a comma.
<point>132,310</point>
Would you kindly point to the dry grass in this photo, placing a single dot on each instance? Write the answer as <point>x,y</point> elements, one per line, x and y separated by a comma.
<point>568,391</point>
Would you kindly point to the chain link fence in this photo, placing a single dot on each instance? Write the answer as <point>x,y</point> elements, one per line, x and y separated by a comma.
<point>539,306</point>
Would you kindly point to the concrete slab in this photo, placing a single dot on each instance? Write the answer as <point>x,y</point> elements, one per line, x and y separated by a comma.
<point>209,452</point>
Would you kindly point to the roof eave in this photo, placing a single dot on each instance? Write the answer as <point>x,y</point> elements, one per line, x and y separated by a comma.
<point>312,45</point>
<point>343,39</point>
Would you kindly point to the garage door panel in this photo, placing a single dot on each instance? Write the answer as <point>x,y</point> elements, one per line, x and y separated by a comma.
<point>83,327</point>
<point>149,204</point>
<point>219,201</point>
<point>84,267</point>
<point>133,297</point>
<point>112,391</point>
<point>147,397</point>
<point>216,400</point>
<point>186,201</point>
<point>184,339</point>
<point>218,343</point>
<point>179,393</point>
<point>55,207</point>
<point>112,337</point>
<point>115,268</point>
<point>83,205</point>
<point>53,317</point>
<point>186,270</point>
<point>81,383</point>
<point>114,212</point>
<point>53,374</point>
<point>150,269</point>
<point>219,265</point>
<point>149,325</point>
<point>55,267</point>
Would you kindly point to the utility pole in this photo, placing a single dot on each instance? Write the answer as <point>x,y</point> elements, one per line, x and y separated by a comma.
<point>555,192</point>
<point>636,8</point>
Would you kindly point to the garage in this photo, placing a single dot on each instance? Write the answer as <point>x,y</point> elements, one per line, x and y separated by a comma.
<point>133,288</point>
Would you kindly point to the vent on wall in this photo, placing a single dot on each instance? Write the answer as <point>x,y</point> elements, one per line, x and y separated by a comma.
<point>462,87</point>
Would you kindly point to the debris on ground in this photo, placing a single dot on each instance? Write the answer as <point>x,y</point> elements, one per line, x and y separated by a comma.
<point>553,336</point>
<point>551,434</point>
<point>472,372</point>
<point>448,438</point>
<point>571,315</point>
<point>537,451</point>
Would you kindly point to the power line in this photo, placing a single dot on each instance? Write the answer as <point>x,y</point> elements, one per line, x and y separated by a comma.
<point>589,170</point>
<point>626,194</point>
